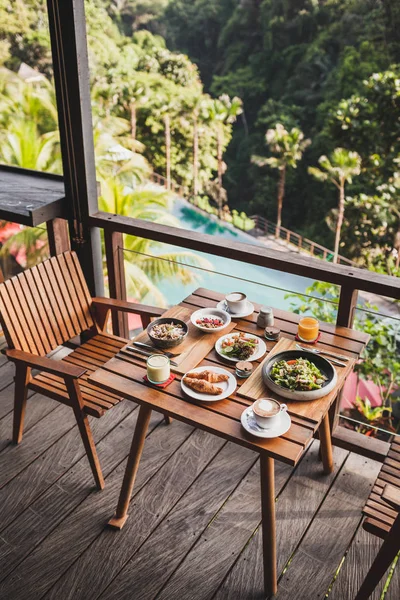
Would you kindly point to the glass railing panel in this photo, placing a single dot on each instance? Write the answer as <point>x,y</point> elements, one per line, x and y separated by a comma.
<point>375,383</point>
<point>164,275</point>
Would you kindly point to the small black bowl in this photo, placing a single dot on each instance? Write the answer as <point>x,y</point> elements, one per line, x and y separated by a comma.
<point>167,343</point>
<point>320,362</point>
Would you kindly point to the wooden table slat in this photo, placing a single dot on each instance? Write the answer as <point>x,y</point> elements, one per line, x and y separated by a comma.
<point>328,340</point>
<point>229,429</point>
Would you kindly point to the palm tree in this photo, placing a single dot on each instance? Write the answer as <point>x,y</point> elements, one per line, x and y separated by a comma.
<point>339,169</point>
<point>130,95</point>
<point>147,262</point>
<point>117,155</point>
<point>197,110</point>
<point>168,108</point>
<point>22,145</point>
<point>289,147</point>
<point>223,111</point>
<point>28,124</point>
<point>35,100</point>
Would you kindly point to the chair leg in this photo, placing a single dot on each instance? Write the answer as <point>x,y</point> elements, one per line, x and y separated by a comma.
<point>382,562</point>
<point>167,420</point>
<point>84,429</point>
<point>22,377</point>
<point>90,447</point>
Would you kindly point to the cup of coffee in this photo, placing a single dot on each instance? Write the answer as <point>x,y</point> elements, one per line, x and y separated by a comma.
<point>236,301</point>
<point>267,411</point>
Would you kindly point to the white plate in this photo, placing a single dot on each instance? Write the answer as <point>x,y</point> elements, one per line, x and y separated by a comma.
<point>211,312</point>
<point>259,352</point>
<point>245,313</point>
<point>279,428</point>
<point>228,387</point>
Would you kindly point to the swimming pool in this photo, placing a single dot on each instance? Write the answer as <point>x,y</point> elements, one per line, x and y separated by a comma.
<point>257,278</point>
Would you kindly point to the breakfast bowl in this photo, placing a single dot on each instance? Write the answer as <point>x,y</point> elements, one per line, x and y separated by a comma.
<point>210,320</point>
<point>316,372</point>
<point>167,332</point>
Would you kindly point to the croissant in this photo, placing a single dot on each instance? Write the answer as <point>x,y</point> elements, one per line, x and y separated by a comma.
<point>202,386</point>
<point>209,376</point>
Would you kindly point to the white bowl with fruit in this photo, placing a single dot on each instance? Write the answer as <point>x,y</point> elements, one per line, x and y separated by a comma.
<point>210,320</point>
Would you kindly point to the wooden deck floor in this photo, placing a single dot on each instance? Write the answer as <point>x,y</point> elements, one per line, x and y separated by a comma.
<point>193,533</point>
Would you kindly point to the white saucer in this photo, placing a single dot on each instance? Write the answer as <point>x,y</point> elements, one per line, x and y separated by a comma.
<point>279,428</point>
<point>245,313</point>
<point>228,387</point>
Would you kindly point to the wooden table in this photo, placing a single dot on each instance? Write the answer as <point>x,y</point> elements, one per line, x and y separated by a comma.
<point>124,375</point>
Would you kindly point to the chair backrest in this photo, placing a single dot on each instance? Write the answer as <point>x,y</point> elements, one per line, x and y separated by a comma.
<point>45,306</point>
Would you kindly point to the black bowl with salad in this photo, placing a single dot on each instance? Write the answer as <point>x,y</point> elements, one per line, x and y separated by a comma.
<point>299,375</point>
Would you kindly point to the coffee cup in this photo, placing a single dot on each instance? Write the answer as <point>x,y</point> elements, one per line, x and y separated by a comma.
<point>267,411</point>
<point>236,301</point>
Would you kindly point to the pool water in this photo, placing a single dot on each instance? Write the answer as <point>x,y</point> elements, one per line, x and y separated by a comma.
<point>227,272</point>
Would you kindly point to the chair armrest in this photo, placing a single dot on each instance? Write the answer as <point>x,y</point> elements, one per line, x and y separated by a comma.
<point>125,306</point>
<point>42,363</point>
<point>391,495</point>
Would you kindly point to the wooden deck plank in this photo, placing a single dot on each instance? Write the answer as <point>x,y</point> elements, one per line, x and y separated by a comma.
<point>145,574</point>
<point>359,558</point>
<point>15,458</point>
<point>58,501</point>
<point>295,510</point>
<point>82,526</point>
<point>6,376</point>
<point>393,592</point>
<point>150,506</point>
<point>33,481</point>
<point>315,562</point>
<point>200,574</point>
<point>37,408</point>
<point>58,516</point>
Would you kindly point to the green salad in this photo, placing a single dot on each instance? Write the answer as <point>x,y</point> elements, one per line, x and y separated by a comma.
<point>298,374</point>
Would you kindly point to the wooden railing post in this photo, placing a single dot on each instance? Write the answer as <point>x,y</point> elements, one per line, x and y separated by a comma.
<point>347,304</point>
<point>58,236</point>
<point>345,318</point>
<point>116,278</point>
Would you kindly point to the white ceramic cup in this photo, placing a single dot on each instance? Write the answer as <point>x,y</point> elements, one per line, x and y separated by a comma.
<point>236,301</point>
<point>267,411</point>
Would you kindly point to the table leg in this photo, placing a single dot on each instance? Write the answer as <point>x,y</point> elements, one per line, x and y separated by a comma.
<point>326,445</point>
<point>267,475</point>
<point>121,515</point>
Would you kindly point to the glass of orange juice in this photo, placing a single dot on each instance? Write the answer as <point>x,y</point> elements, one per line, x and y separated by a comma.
<point>308,329</point>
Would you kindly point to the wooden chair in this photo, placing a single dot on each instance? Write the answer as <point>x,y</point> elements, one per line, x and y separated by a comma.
<point>47,306</point>
<point>383,519</point>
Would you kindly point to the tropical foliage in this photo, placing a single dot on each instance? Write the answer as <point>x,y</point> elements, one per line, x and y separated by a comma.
<point>288,147</point>
<point>339,169</point>
<point>174,72</point>
<point>331,69</point>
<point>147,262</point>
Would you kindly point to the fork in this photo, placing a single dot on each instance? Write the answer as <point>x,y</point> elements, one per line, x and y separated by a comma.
<point>333,360</point>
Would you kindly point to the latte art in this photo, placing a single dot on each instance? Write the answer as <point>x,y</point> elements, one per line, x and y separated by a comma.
<point>266,407</point>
